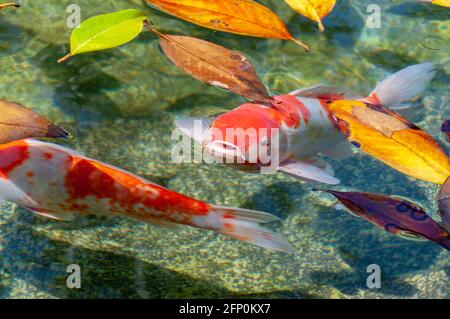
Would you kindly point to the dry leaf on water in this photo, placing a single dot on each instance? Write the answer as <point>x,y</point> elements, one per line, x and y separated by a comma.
<point>10,4</point>
<point>393,214</point>
<point>244,17</point>
<point>213,64</point>
<point>18,122</point>
<point>443,3</point>
<point>315,10</point>
<point>392,139</point>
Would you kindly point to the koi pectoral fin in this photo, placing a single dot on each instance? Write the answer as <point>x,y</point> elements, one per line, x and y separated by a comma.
<point>51,215</point>
<point>308,172</point>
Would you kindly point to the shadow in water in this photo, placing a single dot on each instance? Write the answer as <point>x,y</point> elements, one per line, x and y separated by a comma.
<point>420,10</point>
<point>42,262</point>
<point>360,244</point>
<point>80,84</point>
<point>11,39</point>
<point>343,26</point>
<point>279,198</point>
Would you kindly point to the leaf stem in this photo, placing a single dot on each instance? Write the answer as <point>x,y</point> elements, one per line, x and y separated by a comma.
<point>10,4</point>
<point>303,45</point>
<point>148,25</point>
<point>65,58</point>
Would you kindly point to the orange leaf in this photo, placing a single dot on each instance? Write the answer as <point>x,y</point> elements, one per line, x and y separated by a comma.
<point>18,122</point>
<point>244,17</point>
<point>214,65</point>
<point>314,10</point>
<point>392,139</point>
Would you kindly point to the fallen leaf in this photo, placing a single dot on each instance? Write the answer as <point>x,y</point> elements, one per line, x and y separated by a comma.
<point>443,3</point>
<point>392,139</point>
<point>315,10</point>
<point>10,4</point>
<point>105,31</point>
<point>444,204</point>
<point>18,122</point>
<point>244,17</point>
<point>214,65</point>
<point>396,215</point>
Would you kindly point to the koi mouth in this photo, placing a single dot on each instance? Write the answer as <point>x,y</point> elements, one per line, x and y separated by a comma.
<point>227,149</point>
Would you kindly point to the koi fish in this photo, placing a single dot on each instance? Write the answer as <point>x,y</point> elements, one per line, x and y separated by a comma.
<point>395,215</point>
<point>56,182</point>
<point>303,122</point>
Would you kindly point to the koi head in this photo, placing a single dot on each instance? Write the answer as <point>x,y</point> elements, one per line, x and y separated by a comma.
<point>245,134</point>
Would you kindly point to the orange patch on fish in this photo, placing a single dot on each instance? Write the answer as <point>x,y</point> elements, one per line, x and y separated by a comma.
<point>12,157</point>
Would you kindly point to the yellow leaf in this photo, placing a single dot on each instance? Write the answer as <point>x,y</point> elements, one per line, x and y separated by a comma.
<point>393,140</point>
<point>315,10</point>
<point>444,3</point>
<point>244,17</point>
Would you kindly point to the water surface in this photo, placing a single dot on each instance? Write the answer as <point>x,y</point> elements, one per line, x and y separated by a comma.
<point>119,108</point>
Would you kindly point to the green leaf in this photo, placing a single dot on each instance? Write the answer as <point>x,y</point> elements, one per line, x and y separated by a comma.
<point>105,31</point>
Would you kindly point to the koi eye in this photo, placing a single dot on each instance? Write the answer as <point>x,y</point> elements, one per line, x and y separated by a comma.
<point>329,102</point>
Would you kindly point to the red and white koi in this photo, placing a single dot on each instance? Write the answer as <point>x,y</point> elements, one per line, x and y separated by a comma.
<point>304,125</point>
<point>56,182</point>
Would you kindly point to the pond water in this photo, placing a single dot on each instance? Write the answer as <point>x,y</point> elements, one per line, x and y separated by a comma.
<point>120,106</point>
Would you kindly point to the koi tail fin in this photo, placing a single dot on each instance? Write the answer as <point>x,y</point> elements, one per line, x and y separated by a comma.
<point>400,89</point>
<point>245,225</point>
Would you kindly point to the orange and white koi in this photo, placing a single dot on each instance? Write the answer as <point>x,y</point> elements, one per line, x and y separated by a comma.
<point>56,182</point>
<point>304,125</point>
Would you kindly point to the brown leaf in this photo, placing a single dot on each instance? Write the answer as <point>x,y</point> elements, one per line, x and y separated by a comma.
<point>214,65</point>
<point>18,122</point>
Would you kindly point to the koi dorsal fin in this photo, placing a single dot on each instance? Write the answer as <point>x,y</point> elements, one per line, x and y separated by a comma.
<point>322,91</point>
